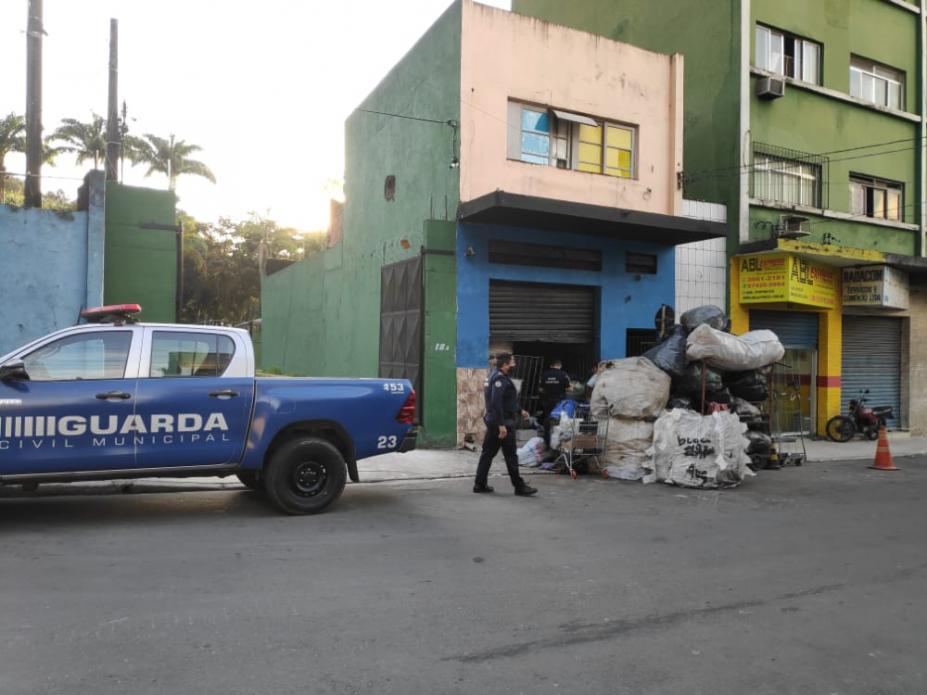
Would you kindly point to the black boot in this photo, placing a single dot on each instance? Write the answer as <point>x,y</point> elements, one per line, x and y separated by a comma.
<point>525,490</point>
<point>483,488</point>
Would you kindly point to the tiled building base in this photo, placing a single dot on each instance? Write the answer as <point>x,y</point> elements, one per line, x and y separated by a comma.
<point>470,425</point>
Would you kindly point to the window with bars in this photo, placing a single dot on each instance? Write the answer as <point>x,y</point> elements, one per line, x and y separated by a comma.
<point>876,83</point>
<point>571,141</point>
<point>789,181</point>
<point>788,55</point>
<point>876,198</point>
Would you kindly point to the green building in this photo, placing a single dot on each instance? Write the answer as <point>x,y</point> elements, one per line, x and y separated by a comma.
<point>807,120</point>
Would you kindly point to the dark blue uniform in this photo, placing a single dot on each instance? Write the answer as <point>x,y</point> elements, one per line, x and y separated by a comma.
<point>502,408</point>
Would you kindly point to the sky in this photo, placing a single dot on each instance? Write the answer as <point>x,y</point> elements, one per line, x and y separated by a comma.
<point>263,87</point>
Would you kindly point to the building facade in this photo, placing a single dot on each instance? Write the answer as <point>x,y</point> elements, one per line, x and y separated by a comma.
<point>510,186</point>
<point>807,121</point>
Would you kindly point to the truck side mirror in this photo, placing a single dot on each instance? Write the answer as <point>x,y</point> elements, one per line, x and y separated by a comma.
<point>13,371</point>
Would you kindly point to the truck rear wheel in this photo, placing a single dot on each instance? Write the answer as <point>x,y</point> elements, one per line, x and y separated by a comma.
<point>305,476</point>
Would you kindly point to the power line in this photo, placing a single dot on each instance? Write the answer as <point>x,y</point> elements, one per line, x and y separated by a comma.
<point>449,122</point>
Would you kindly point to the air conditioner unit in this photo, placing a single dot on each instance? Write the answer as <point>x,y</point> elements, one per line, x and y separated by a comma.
<point>770,87</point>
<point>793,227</point>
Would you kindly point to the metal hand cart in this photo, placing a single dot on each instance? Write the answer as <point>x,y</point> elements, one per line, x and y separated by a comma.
<point>584,438</point>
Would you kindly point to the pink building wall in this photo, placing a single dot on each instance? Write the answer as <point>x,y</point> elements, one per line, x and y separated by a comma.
<point>508,56</point>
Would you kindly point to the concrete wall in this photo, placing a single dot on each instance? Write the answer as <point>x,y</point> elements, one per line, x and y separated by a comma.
<point>508,56</point>
<point>141,260</point>
<point>625,301</point>
<point>51,265</point>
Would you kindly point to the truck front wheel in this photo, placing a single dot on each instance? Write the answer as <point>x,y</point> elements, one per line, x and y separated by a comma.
<point>305,475</point>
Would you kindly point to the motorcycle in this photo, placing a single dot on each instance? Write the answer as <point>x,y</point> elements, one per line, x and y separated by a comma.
<point>861,420</point>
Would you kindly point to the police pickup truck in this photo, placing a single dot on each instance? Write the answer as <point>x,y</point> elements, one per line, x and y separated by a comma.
<point>113,398</point>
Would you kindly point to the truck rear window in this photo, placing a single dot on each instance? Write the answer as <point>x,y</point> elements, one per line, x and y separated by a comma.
<point>176,354</point>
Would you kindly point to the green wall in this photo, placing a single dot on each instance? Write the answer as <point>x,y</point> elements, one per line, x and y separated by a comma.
<point>439,417</point>
<point>140,265</point>
<point>810,122</point>
<point>322,316</point>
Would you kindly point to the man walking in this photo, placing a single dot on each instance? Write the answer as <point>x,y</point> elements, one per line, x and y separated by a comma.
<point>501,410</point>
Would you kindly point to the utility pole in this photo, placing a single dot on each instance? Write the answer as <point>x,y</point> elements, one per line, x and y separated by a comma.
<point>32,192</point>
<point>113,139</point>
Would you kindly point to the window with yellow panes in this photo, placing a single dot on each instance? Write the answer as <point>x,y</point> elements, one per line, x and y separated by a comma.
<point>606,149</point>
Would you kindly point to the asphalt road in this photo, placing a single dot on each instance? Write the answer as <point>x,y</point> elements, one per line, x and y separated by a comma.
<point>805,580</point>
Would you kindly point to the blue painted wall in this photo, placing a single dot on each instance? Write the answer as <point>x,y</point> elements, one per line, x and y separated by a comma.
<point>51,266</point>
<point>625,301</point>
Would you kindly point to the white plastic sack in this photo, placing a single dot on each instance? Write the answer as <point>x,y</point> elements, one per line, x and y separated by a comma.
<point>626,448</point>
<point>630,388</point>
<point>691,450</point>
<point>733,353</point>
<point>531,453</point>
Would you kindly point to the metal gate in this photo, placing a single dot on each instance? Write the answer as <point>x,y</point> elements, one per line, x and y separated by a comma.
<point>401,322</point>
<point>528,312</point>
<point>795,329</point>
<point>872,360</point>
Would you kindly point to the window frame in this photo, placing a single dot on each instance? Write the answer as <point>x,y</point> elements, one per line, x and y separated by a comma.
<point>564,138</point>
<point>795,170</point>
<point>202,334</point>
<point>796,69</point>
<point>538,133</point>
<point>871,184</point>
<point>85,335</point>
<point>866,68</point>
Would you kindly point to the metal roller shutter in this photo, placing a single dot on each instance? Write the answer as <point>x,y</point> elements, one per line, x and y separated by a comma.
<point>526,312</point>
<point>872,360</point>
<point>793,328</point>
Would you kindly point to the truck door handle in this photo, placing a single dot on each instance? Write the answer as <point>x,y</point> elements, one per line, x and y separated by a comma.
<point>225,393</point>
<point>121,395</point>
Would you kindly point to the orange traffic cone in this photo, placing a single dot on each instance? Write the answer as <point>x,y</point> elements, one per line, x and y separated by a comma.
<point>883,457</point>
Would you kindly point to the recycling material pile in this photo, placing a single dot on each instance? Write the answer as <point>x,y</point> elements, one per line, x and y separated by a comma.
<point>657,430</point>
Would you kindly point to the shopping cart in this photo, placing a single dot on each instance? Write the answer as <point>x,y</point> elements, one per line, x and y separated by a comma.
<point>582,437</point>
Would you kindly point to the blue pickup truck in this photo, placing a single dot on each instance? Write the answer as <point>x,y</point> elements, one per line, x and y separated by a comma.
<point>113,398</point>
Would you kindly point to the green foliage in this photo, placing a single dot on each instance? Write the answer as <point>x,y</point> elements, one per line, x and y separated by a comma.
<point>170,157</point>
<point>86,140</point>
<point>223,264</point>
<point>53,200</point>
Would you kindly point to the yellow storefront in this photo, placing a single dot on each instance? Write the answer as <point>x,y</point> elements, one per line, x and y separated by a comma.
<point>800,299</point>
<point>810,294</point>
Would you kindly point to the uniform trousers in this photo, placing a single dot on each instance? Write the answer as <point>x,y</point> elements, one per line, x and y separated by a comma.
<point>491,445</point>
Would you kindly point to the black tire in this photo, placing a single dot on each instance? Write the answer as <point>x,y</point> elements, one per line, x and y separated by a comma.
<point>872,433</point>
<point>251,480</point>
<point>840,428</point>
<point>305,476</point>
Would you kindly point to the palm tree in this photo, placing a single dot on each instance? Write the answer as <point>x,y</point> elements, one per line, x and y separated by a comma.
<point>86,140</point>
<point>11,140</point>
<point>170,157</point>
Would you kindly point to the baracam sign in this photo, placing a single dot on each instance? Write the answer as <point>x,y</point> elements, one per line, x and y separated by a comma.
<point>876,286</point>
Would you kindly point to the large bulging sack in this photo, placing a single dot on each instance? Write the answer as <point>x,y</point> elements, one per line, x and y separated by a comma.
<point>630,388</point>
<point>670,355</point>
<point>626,448</point>
<point>724,351</point>
<point>691,450</point>
<point>708,314</point>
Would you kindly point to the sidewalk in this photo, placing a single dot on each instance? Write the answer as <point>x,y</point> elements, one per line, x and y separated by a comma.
<point>900,443</point>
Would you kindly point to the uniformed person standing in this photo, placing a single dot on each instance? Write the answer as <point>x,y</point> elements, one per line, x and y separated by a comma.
<point>501,412</point>
<point>554,385</point>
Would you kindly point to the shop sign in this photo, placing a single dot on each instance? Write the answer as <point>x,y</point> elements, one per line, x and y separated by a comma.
<point>776,277</point>
<point>876,286</point>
